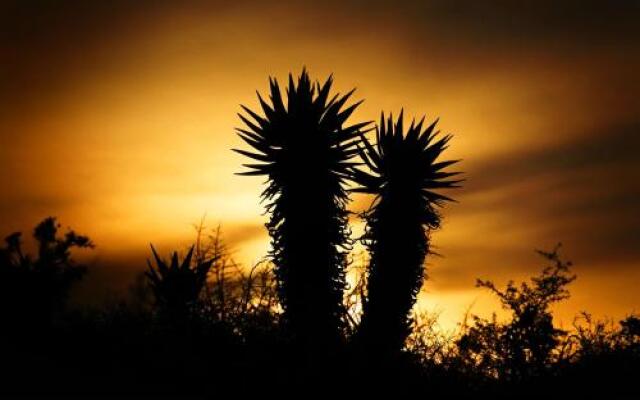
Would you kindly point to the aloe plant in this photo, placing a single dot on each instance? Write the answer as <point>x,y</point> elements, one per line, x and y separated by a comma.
<point>305,151</point>
<point>176,286</point>
<point>404,175</point>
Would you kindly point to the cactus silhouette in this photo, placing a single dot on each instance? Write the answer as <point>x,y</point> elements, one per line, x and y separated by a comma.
<point>305,152</point>
<point>404,174</point>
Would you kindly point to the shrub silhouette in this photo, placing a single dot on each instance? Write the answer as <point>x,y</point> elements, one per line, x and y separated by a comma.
<point>305,151</point>
<point>177,286</point>
<point>404,174</point>
<point>232,333</point>
<point>524,347</point>
<point>246,299</point>
<point>32,289</point>
<point>630,331</point>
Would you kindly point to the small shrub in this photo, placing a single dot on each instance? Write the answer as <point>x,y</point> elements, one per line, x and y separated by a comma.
<point>33,289</point>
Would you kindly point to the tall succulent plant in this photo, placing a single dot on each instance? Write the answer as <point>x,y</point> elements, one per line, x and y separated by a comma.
<point>404,175</point>
<point>305,150</point>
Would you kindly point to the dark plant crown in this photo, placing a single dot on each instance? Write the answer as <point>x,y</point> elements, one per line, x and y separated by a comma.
<point>406,162</point>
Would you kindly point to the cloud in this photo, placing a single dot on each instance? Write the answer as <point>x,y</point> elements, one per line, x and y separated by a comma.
<point>613,146</point>
<point>580,189</point>
<point>528,20</point>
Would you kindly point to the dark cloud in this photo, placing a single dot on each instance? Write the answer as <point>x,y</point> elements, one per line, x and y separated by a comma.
<point>47,45</point>
<point>583,192</point>
<point>615,147</point>
<point>588,21</point>
<point>109,278</point>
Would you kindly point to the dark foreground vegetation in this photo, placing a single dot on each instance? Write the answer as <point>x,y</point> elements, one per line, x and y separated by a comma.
<point>177,333</point>
<point>197,323</point>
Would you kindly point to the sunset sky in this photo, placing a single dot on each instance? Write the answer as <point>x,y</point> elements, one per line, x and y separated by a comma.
<point>117,117</point>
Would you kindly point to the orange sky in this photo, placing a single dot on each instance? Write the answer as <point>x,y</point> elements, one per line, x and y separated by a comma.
<point>118,119</point>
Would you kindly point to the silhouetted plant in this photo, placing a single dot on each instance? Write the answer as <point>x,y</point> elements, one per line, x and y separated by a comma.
<point>177,286</point>
<point>305,151</point>
<point>604,357</point>
<point>630,330</point>
<point>356,292</point>
<point>243,301</point>
<point>404,175</point>
<point>33,289</point>
<point>593,338</point>
<point>524,347</point>
<point>430,341</point>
